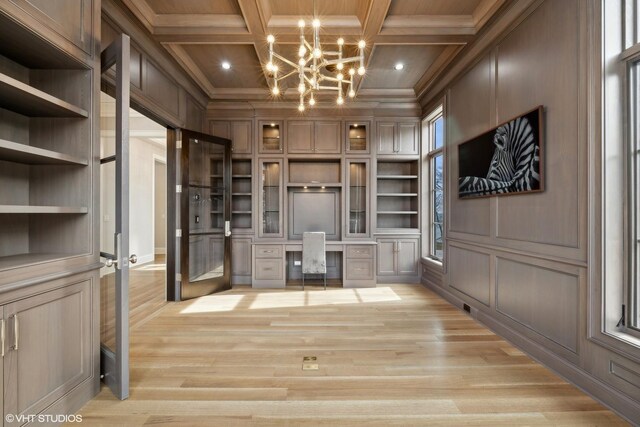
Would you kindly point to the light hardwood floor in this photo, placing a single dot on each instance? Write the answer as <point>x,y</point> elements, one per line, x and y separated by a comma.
<point>391,356</point>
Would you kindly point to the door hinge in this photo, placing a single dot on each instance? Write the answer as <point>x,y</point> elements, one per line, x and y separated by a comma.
<point>621,322</point>
<point>178,232</point>
<point>178,188</point>
<point>178,144</point>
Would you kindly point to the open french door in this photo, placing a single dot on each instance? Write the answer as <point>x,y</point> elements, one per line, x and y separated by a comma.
<point>114,218</point>
<point>202,247</point>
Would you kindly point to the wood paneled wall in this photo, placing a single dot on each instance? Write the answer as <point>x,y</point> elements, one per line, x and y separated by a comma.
<point>521,261</point>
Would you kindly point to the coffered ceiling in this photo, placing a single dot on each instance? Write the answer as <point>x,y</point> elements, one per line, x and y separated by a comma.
<point>423,35</point>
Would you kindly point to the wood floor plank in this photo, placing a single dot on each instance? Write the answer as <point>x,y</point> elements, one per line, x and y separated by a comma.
<point>395,355</point>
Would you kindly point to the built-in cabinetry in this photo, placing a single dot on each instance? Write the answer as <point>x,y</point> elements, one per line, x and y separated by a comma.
<point>241,194</point>
<point>314,137</point>
<point>270,193</point>
<point>271,138</point>
<point>357,137</point>
<point>47,346</point>
<point>397,195</point>
<point>241,260</point>
<point>49,80</point>
<point>360,261</point>
<point>398,258</point>
<point>357,198</point>
<point>398,137</point>
<point>240,132</point>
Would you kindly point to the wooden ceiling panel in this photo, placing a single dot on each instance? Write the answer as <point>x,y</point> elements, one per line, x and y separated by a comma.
<point>245,72</point>
<point>416,59</point>
<point>218,7</point>
<point>433,7</point>
<point>322,7</point>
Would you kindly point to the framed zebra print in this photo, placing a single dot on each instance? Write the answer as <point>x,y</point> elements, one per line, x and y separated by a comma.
<point>505,160</point>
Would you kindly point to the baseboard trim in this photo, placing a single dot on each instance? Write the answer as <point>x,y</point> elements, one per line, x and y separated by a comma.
<point>610,397</point>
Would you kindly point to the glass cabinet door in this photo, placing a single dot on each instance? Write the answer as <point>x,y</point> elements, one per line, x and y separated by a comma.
<point>357,197</point>
<point>271,197</point>
<point>357,137</point>
<point>271,137</point>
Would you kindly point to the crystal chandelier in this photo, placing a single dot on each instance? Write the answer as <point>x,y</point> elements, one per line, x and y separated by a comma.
<point>311,67</point>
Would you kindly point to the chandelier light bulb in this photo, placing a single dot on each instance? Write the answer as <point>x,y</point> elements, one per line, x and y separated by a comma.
<point>301,23</point>
<point>301,88</point>
<point>313,81</point>
<point>274,68</point>
<point>362,44</point>
<point>312,101</point>
<point>316,23</point>
<point>339,65</point>
<point>302,51</point>
<point>352,71</point>
<point>340,76</point>
<point>271,38</point>
<point>340,41</point>
<point>270,66</point>
<point>275,90</point>
<point>317,52</point>
<point>340,100</point>
<point>352,94</point>
<point>361,71</point>
<point>301,107</point>
<point>301,61</point>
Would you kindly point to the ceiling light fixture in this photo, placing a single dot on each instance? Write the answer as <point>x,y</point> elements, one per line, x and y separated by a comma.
<point>399,66</point>
<point>318,70</point>
<point>226,65</point>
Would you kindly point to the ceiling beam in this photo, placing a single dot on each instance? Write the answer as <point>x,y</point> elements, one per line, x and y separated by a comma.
<point>429,25</point>
<point>374,18</point>
<point>331,25</point>
<point>254,21</point>
<point>412,39</point>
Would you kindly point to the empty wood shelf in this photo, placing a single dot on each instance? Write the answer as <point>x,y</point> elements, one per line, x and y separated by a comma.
<point>241,212</point>
<point>397,212</point>
<point>315,184</point>
<point>397,176</point>
<point>25,209</point>
<point>29,101</point>
<point>397,194</point>
<point>21,153</point>
<point>241,176</point>
<point>241,194</point>
<point>21,260</point>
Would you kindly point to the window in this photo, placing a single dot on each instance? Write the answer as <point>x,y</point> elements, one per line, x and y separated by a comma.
<point>433,131</point>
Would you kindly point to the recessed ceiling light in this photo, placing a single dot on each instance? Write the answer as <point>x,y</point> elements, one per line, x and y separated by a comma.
<point>399,66</point>
<point>226,65</point>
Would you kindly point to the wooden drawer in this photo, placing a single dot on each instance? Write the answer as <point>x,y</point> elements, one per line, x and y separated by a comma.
<point>269,251</point>
<point>359,269</point>
<point>360,251</point>
<point>268,269</point>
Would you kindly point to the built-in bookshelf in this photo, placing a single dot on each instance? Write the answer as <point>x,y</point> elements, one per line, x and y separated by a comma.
<point>216,191</point>
<point>241,194</point>
<point>397,195</point>
<point>45,152</point>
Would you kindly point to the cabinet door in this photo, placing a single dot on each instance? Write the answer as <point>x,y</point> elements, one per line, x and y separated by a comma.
<point>407,138</point>
<point>241,137</point>
<point>54,351</point>
<point>386,137</point>
<point>327,138</point>
<point>357,137</point>
<point>241,257</point>
<point>407,251</point>
<point>300,137</point>
<point>271,136</point>
<point>271,198</point>
<point>386,257</point>
<point>220,128</point>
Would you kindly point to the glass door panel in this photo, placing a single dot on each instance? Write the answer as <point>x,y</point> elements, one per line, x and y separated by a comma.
<point>271,140</point>
<point>358,197</point>
<point>205,214</point>
<point>271,197</point>
<point>357,137</point>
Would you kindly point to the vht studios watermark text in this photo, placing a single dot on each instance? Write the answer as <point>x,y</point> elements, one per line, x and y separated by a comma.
<point>42,418</point>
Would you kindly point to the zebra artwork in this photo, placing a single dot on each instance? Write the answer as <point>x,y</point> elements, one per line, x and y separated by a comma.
<point>504,160</point>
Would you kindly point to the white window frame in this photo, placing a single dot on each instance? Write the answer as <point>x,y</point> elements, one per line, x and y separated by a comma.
<point>428,132</point>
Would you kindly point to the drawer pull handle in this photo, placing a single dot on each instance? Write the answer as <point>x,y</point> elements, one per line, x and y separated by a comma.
<point>268,269</point>
<point>16,332</point>
<point>1,337</point>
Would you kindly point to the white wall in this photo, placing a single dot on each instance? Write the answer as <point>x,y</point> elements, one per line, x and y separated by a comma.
<point>160,207</point>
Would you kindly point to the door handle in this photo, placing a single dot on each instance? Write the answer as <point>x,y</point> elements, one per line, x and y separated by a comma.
<point>16,333</point>
<point>227,228</point>
<point>133,259</point>
<point>1,337</point>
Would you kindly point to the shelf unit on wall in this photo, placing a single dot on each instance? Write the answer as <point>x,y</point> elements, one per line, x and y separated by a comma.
<point>397,195</point>
<point>45,151</point>
<point>241,194</point>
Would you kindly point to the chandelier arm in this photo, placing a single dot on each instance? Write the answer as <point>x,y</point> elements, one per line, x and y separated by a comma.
<point>283,59</point>
<point>286,75</point>
<point>328,88</point>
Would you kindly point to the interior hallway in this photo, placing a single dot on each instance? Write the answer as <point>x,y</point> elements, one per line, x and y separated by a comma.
<point>392,355</point>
